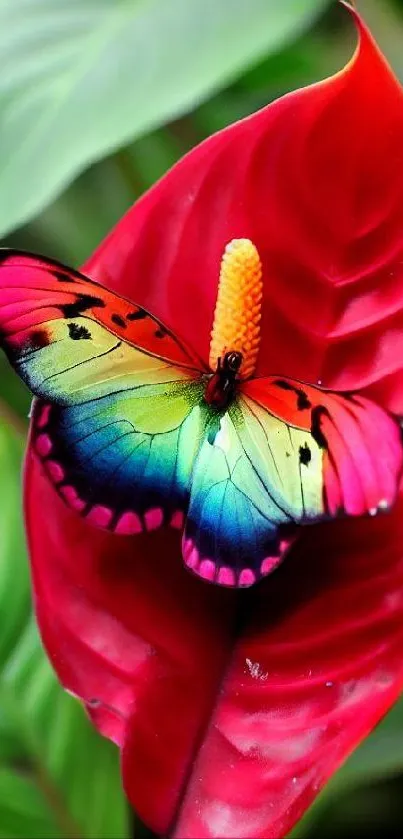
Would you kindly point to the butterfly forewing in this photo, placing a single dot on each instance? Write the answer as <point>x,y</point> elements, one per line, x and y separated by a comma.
<point>36,292</point>
<point>360,443</point>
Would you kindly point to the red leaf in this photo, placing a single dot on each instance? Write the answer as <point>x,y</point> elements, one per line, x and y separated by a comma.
<point>130,631</point>
<point>318,663</point>
<point>316,181</point>
<point>234,708</point>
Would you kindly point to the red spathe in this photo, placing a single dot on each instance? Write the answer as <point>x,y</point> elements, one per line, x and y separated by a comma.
<point>233,708</point>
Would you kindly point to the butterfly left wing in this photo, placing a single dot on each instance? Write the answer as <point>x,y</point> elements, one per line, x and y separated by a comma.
<point>122,427</point>
<point>284,455</point>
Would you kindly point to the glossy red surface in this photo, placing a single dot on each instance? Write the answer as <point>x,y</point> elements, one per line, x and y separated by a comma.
<point>232,709</point>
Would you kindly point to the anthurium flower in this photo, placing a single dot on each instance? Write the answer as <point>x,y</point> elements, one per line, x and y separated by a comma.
<point>233,708</point>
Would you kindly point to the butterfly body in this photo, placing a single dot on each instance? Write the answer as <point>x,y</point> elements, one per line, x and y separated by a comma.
<point>222,385</point>
<point>136,433</point>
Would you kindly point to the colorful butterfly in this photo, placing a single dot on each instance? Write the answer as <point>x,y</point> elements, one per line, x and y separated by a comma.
<point>135,432</point>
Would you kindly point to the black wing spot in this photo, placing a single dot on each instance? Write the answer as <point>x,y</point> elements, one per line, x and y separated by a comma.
<point>63,276</point>
<point>305,455</point>
<point>119,321</point>
<point>303,402</point>
<point>38,339</point>
<point>80,305</point>
<point>160,332</point>
<point>284,385</point>
<point>138,314</point>
<point>77,332</point>
<point>316,430</point>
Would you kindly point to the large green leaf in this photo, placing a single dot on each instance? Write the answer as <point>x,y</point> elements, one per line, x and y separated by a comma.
<point>82,77</point>
<point>58,777</point>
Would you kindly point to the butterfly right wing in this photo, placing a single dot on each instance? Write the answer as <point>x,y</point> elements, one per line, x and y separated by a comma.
<point>285,454</point>
<point>360,444</point>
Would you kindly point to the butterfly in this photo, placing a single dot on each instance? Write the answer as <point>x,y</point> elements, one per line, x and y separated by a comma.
<point>135,432</point>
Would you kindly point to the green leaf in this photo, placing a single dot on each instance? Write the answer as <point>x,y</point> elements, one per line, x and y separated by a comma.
<point>83,77</point>
<point>14,594</point>
<point>23,809</point>
<point>58,777</point>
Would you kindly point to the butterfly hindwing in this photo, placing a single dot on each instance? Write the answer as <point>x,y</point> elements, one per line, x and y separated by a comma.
<point>236,530</point>
<point>124,460</point>
<point>253,484</point>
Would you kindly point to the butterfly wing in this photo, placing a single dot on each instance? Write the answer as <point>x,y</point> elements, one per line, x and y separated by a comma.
<point>284,455</point>
<point>124,460</point>
<point>237,525</point>
<point>121,431</point>
<point>360,444</point>
<point>39,295</point>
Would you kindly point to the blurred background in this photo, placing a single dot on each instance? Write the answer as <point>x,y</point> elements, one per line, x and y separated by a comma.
<point>98,98</point>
